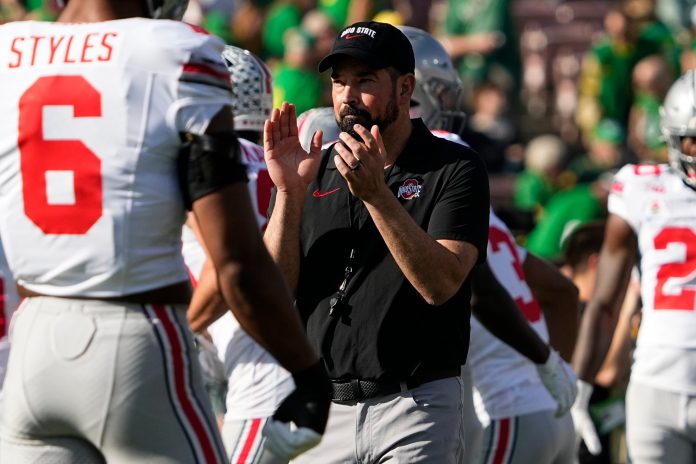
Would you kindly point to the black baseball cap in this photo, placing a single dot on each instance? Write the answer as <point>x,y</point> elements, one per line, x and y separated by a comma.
<point>377,44</point>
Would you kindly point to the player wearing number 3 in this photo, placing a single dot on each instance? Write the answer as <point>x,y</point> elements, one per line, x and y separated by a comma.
<point>113,123</point>
<point>653,207</point>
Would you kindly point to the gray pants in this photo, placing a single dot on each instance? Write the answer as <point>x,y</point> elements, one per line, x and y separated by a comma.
<point>94,381</point>
<point>473,431</point>
<point>424,424</point>
<point>660,425</point>
<point>538,438</point>
<point>245,442</point>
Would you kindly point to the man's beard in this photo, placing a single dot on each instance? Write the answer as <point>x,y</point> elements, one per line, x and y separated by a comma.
<point>349,117</point>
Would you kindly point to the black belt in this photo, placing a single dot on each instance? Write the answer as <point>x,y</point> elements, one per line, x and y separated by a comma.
<point>358,390</point>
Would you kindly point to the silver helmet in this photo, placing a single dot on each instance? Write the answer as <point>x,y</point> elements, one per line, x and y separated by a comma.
<point>158,9</point>
<point>438,94</point>
<point>167,9</point>
<point>310,121</point>
<point>252,88</point>
<point>679,120</point>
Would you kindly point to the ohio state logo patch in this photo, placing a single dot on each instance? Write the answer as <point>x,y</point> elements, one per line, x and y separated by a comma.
<point>409,189</point>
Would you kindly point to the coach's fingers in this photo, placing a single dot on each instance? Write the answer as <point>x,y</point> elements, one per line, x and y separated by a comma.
<point>377,135</point>
<point>285,120</point>
<point>350,143</point>
<point>267,135</point>
<point>368,139</point>
<point>346,156</point>
<point>292,119</point>
<point>315,146</point>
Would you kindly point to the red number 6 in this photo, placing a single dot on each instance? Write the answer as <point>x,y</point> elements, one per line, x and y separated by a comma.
<point>38,156</point>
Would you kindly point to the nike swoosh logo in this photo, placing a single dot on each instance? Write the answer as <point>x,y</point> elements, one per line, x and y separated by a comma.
<point>318,194</point>
<point>352,36</point>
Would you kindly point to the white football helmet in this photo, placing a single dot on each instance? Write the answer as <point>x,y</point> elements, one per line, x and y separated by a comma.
<point>158,9</point>
<point>310,121</point>
<point>438,93</point>
<point>679,120</point>
<point>252,88</point>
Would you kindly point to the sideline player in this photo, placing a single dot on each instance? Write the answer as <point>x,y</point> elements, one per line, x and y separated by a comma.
<point>256,383</point>
<point>515,400</point>
<point>95,180</point>
<point>652,207</point>
<point>512,394</point>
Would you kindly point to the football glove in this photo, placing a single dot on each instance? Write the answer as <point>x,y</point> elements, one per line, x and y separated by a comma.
<point>584,427</point>
<point>307,408</point>
<point>559,379</point>
<point>213,372</point>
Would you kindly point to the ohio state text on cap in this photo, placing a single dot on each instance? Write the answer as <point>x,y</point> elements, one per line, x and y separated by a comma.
<point>378,45</point>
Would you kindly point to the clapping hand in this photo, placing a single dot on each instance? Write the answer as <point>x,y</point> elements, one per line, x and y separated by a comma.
<point>289,165</point>
<point>361,163</point>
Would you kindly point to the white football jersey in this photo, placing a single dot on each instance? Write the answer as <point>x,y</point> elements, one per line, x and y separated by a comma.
<point>260,183</point>
<point>507,382</point>
<point>257,384</point>
<point>91,121</point>
<point>661,210</point>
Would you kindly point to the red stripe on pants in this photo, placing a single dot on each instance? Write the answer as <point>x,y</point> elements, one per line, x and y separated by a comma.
<point>249,442</point>
<point>503,441</point>
<point>178,353</point>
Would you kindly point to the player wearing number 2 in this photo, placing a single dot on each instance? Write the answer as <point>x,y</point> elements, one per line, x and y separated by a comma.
<point>653,207</point>
<point>113,123</point>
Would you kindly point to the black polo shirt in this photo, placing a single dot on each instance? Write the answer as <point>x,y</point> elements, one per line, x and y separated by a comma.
<point>387,331</point>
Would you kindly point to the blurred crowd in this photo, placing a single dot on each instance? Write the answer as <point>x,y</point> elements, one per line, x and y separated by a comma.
<point>558,94</point>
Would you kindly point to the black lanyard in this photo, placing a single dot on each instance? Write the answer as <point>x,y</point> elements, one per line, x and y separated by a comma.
<point>337,303</point>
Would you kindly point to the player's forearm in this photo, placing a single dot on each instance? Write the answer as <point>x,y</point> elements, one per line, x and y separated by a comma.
<point>498,312</point>
<point>563,322</point>
<point>558,298</point>
<point>250,283</point>
<point>601,314</point>
<point>261,303</point>
<point>594,339</point>
<point>617,365</point>
<point>282,235</point>
<point>207,304</point>
<point>433,270</point>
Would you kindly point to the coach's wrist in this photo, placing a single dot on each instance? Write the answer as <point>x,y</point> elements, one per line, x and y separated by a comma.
<point>293,196</point>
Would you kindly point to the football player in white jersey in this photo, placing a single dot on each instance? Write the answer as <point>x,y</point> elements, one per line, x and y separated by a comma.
<point>515,391</point>
<point>113,124</point>
<point>513,399</point>
<point>652,215</point>
<point>256,383</point>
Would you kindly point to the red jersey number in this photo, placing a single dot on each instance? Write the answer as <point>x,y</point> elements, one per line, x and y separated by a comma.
<point>684,299</point>
<point>499,239</point>
<point>264,186</point>
<point>39,157</point>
